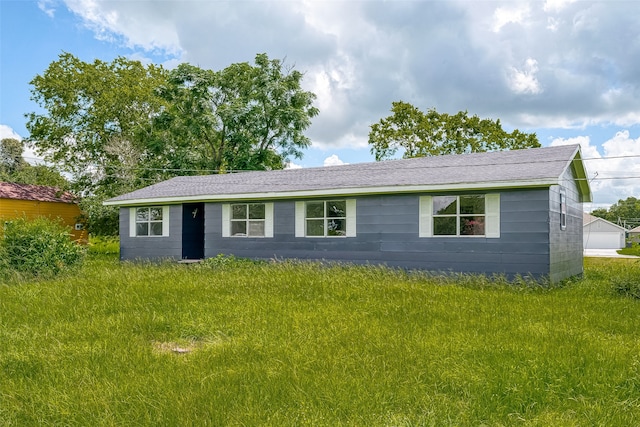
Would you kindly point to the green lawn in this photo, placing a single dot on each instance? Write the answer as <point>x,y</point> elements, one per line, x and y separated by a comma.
<point>301,344</point>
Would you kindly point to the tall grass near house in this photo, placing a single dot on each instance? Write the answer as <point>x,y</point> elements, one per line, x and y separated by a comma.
<point>38,247</point>
<point>302,344</point>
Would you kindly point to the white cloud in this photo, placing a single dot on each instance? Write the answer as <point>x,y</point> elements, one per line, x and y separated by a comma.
<point>524,81</point>
<point>615,173</point>
<point>556,5</point>
<point>514,15</point>
<point>28,154</point>
<point>291,165</point>
<point>47,7</point>
<point>8,132</point>
<point>140,24</point>
<point>334,160</point>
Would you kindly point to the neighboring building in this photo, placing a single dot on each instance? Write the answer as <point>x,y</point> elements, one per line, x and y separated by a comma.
<point>602,234</point>
<point>31,201</point>
<point>511,212</point>
<point>634,235</point>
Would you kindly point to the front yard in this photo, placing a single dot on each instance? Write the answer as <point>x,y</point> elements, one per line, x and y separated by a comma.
<point>239,343</point>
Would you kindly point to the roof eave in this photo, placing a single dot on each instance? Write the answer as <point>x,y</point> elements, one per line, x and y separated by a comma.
<point>580,176</point>
<point>355,191</point>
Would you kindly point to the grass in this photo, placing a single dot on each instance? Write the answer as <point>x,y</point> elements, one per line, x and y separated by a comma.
<point>302,344</point>
<point>633,250</point>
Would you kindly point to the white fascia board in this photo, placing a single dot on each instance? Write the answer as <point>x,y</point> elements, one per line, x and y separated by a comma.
<point>359,191</point>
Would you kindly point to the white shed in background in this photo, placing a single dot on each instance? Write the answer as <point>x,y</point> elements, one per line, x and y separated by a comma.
<point>599,233</point>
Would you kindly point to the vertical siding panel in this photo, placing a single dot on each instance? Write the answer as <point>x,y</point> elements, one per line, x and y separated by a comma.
<point>351,218</point>
<point>226,220</point>
<point>268,220</point>
<point>425,227</point>
<point>492,225</point>
<point>299,219</point>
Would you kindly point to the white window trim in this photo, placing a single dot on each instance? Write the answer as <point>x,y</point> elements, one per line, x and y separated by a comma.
<point>491,217</point>
<point>351,221</point>
<point>563,210</point>
<point>165,221</point>
<point>268,220</point>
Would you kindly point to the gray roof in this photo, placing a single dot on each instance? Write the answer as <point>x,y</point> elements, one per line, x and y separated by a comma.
<point>503,169</point>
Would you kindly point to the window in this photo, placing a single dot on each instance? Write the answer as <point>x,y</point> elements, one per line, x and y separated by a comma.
<point>149,221</point>
<point>455,216</point>
<point>326,218</point>
<point>247,220</point>
<point>563,211</point>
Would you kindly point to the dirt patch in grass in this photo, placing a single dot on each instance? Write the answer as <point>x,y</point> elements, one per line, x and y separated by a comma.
<point>185,346</point>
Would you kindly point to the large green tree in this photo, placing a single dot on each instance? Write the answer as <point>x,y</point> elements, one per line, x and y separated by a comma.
<point>95,120</point>
<point>121,125</point>
<point>244,117</point>
<point>624,212</point>
<point>416,134</point>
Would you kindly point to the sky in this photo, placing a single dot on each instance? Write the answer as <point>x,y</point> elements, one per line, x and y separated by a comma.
<point>568,70</point>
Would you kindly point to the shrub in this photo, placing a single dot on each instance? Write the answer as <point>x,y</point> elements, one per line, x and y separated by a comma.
<point>104,245</point>
<point>40,246</point>
<point>627,282</point>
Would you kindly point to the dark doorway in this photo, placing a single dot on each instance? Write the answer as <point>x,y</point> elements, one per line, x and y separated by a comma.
<point>193,231</point>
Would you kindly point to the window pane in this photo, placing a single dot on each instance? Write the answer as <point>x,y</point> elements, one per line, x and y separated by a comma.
<point>142,229</point>
<point>238,228</point>
<point>155,229</point>
<point>445,205</point>
<point>256,228</point>
<point>238,211</point>
<point>156,214</point>
<point>336,209</point>
<point>256,211</point>
<point>315,227</point>
<point>472,226</point>
<point>444,226</point>
<point>142,214</point>
<point>315,209</point>
<point>336,227</point>
<point>471,205</point>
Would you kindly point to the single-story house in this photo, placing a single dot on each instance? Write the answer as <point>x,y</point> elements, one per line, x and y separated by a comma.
<point>634,235</point>
<point>602,234</point>
<point>511,212</point>
<point>31,201</point>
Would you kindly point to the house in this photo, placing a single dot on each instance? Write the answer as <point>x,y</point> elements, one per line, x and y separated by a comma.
<point>602,234</point>
<point>510,212</point>
<point>31,201</point>
<point>634,235</point>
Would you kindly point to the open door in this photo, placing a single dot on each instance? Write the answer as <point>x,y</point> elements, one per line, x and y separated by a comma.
<point>193,231</point>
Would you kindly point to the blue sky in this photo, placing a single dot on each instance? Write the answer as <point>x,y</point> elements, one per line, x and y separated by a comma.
<point>565,69</point>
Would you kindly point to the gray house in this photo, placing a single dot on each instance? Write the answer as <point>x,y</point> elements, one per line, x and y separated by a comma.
<point>511,213</point>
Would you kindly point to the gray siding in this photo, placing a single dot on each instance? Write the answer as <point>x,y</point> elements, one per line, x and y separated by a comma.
<point>566,251</point>
<point>152,247</point>
<point>531,242</point>
<point>387,233</point>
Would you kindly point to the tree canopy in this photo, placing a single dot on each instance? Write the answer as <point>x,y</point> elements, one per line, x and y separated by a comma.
<point>624,212</point>
<point>121,125</point>
<point>417,134</point>
<point>13,167</point>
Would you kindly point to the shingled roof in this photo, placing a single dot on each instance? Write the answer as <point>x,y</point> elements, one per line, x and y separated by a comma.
<point>38,193</point>
<point>505,169</point>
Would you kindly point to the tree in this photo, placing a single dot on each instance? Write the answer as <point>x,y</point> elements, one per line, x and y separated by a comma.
<point>13,167</point>
<point>624,212</point>
<point>243,117</point>
<point>418,134</point>
<point>10,156</point>
<point>96,117</point>
<point>118,126</point>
